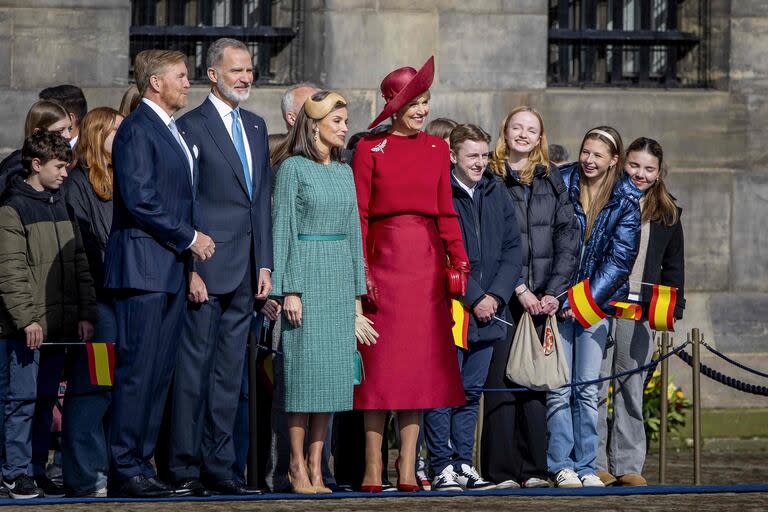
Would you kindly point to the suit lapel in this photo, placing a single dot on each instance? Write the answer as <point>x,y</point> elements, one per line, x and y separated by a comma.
<point>220,137</point>
<point>165,132</point>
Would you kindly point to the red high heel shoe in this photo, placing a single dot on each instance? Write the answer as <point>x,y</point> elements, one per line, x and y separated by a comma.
<point>404,487</point>
<point>371,488</point>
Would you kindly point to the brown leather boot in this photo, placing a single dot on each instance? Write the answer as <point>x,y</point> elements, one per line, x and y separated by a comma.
<point>605,477</point>
<point>631,480</point>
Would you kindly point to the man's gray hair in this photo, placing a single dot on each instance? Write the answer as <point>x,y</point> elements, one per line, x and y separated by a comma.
<point>287,103</point>
<point>216,50</point>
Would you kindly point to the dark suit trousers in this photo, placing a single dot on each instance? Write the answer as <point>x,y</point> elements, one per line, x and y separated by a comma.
<point>206,387</point>
<point>514,437</point>
<point>148,327</point>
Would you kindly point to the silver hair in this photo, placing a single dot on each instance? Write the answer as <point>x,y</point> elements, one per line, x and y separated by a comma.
<point>287,103</point>
<point>216,50</point>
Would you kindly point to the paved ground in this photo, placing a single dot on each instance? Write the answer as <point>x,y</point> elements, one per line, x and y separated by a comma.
<point>724,463</point>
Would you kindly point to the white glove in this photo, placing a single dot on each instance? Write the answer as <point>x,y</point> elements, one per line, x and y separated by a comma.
<point>364,331</point>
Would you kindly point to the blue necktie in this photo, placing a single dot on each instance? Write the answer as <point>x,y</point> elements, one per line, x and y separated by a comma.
<point>237,138</point>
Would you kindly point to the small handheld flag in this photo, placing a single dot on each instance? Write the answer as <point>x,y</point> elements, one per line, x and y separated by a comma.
<point>460,329</point>
<point>101,363</point>
<point>583,304</point>
<point>627,310</point>
<point>661,312</point>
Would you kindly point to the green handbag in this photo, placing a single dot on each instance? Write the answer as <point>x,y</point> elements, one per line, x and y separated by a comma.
<point>359,369</point>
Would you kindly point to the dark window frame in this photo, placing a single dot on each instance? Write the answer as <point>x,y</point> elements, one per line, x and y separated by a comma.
<point>589,44</point>
<point>173,31</point>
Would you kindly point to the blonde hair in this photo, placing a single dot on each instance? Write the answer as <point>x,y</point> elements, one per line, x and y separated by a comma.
<point>593,205</point>
<point>149,63</point>
<point>89,151</point>
<point>539,155</point>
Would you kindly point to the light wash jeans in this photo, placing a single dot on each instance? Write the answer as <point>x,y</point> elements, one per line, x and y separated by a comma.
<point>572,412</point>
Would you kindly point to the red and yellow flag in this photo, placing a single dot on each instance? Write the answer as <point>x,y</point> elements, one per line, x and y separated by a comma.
<point>460,329</point>
<point>661,313</point>
<point>101,363</point>
<point>627,310</point>
<point>583,304</point>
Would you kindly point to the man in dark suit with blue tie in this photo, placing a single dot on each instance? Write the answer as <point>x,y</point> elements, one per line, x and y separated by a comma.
<point>146,263</point>
<point>233,204</point>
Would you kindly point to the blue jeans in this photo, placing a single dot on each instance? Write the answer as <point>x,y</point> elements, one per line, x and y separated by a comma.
<point>572,412</point>
<point>450,432</point>
<point>85,459</point>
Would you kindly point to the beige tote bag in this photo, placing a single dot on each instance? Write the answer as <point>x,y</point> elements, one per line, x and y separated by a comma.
<point>536,365</point>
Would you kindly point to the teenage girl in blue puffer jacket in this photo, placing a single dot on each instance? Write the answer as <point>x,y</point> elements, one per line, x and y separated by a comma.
<point>606,204</point>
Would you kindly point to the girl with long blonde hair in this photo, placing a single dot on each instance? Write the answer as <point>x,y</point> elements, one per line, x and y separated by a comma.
<point>514,438</point>
<point>607,209</point>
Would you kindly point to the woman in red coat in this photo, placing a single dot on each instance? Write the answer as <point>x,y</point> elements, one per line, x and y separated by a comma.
<point>408,226</point>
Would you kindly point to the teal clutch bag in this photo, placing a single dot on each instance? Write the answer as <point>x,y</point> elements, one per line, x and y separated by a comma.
<point>359,369</point>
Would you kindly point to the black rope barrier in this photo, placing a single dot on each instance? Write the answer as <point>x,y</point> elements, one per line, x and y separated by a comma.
<point>726,380</point>
<point>639,369</point>
<point>732,361</point>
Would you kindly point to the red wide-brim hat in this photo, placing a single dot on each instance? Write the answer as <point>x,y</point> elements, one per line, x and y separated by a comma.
<point>403,85</point>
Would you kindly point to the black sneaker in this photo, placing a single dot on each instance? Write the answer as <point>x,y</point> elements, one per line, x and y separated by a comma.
<point>23,488</point>
<point>50,488</point>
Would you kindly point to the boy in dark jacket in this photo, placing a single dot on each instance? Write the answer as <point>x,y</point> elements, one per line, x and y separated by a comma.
<point>47,295</point>
<point>492,240</point>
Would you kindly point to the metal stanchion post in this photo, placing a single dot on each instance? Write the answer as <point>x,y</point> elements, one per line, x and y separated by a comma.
<point>663,349</point>
<point>697,338</point>
<point>253,460</point>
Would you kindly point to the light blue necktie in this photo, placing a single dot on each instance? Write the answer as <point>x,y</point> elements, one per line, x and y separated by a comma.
<point>237,138</point>
<point>177,136</point>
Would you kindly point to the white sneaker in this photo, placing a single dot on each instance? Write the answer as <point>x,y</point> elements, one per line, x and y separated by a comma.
<point>507,484</point>
<point>535,483</point>
<point>446,481</point>
<point>470,479</point>
<point>568,479</point>
<point>592,480</point>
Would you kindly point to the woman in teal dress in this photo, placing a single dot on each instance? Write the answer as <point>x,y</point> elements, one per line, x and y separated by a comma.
<point>319,272</point>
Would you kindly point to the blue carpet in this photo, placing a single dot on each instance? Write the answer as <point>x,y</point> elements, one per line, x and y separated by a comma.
<point>608,491</point>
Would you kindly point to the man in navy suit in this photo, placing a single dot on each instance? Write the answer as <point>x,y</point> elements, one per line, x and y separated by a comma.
<point>146,264</point>
<point>233,204</point>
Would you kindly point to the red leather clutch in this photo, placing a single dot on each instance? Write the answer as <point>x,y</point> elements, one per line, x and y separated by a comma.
<point>457,282</point>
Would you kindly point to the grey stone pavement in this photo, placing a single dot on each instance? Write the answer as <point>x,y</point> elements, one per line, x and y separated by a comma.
<point>724,463</point>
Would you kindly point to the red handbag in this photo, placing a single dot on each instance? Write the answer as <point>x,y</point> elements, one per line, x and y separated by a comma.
<point>456,279</point>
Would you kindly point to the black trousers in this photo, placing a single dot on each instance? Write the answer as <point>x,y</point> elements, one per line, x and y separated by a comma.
<point>514,436</point>
<point>207,382</point>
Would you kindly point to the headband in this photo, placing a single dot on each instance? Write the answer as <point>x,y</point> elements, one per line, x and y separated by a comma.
<point>606,135</point>
<point>319,109</point>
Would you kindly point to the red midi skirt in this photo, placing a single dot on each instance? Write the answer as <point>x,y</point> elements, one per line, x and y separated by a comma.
<point>414,364</point>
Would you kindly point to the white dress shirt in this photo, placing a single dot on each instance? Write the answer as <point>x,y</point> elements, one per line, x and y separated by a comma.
<point>468,190</point>
<point>225,111</point>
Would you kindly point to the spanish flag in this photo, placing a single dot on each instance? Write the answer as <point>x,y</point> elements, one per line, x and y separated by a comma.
<point>660,315</point>
<point>101,363</point>
<point>583,304</point>
<point>460,329</point>
<point>627,310</point>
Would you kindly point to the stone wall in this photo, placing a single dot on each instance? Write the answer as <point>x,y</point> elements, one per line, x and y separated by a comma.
<point>490,57</point>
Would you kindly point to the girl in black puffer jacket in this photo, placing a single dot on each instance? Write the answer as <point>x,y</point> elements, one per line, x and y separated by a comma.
<point>514,437</point>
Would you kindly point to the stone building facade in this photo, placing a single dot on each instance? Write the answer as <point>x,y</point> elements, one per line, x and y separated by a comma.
<point>491,56</point>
